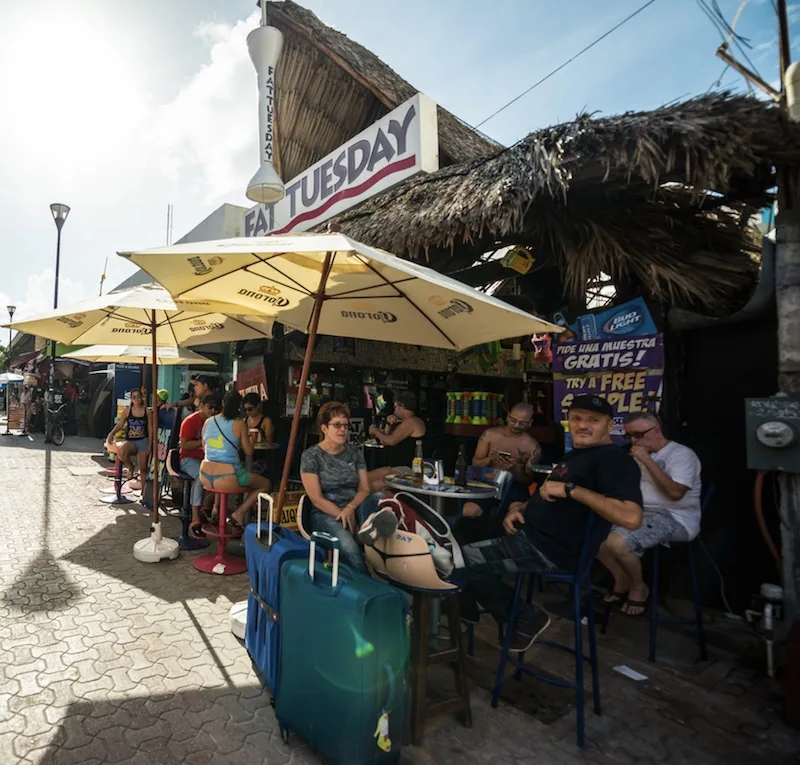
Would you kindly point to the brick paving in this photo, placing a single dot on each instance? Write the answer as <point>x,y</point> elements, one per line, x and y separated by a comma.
<point>107,660</point>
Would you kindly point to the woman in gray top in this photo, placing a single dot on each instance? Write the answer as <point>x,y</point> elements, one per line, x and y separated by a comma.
<point>334,477</point>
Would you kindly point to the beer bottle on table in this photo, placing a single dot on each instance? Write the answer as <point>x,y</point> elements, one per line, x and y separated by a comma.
<point>417,465</point>
<point>460,478</point>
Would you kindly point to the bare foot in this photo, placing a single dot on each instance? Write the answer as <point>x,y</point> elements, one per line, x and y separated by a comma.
<point>637,600</point>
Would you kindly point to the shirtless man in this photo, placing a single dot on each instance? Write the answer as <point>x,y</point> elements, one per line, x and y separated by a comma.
<point>509,447</point>
<point>402,430</point>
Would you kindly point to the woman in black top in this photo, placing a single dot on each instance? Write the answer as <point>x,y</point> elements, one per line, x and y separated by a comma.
<point>137,418</point>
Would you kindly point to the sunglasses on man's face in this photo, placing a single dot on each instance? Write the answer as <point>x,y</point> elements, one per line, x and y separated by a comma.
<point>635,435</point>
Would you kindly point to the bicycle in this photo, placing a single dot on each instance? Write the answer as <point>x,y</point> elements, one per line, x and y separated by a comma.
<point>55,431</point>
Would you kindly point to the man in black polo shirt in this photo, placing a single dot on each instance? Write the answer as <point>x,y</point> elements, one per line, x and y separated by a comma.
<point>547,533</point>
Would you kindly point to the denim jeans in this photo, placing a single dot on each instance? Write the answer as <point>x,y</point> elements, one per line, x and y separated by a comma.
<point>351,553</point>
<point>486,563</point>
<point>191,466</point>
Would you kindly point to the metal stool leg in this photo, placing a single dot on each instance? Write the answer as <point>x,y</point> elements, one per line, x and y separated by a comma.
<point>590,618</point>
<point>698,610</point>
<point>501,667</point>
<point>654,604</point>
<point>579,693</point>
<point>186,541</point>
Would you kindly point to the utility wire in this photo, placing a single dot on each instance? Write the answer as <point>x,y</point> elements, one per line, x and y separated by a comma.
<point>568,61</point>
<point>728,32</point>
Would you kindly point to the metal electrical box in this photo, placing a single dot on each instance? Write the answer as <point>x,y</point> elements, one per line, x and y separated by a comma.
<point>773,433</point>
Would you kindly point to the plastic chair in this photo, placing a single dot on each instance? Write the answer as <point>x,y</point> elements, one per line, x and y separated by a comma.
<point>304,517</point>
<point>185,541</point>
<point>581,595</point>
<point>502,480</point>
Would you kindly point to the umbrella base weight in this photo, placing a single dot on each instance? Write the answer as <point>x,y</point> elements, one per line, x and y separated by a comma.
<point>155,548</point>
<point>221,565</point>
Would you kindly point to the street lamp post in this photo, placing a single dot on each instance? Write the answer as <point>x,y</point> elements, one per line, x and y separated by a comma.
<point>11,310</point>
<point>60,212</point>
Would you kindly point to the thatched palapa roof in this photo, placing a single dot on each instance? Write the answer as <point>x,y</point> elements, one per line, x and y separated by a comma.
<point>329,88</point>
<point>627,195</point>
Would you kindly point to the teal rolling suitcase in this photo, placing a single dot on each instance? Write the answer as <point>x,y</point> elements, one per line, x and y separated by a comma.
<point>343,661</point>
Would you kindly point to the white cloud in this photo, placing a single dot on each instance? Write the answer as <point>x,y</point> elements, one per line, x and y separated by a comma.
<point>209,129</point>
<point>39,297</point>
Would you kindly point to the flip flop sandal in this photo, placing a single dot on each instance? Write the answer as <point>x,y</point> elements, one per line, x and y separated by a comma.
<point>643,604</point>
<point>196,530</point>
<point>618,598</point>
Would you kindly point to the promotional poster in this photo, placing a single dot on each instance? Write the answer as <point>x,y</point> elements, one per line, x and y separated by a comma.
<point>617,354</point>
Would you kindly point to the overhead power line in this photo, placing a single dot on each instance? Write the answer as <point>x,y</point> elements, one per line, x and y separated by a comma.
<point>568,61</point>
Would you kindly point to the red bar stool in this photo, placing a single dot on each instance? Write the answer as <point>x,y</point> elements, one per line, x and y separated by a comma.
<point>220,562</point>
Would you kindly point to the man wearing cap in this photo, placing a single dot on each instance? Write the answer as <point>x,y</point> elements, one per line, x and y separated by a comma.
<point>671,486</point>
<point>202,385</point>
<point>402,430</point>
<point>595,480</point>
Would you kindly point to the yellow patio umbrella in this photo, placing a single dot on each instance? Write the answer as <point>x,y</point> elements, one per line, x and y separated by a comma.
<point>338,286</point>
<point>148,312</point>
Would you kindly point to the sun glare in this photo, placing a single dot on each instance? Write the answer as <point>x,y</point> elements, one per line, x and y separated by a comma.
<point>69,81</point>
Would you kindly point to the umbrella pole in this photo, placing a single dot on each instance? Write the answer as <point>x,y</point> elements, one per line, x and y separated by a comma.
<point>154,428</point>
<point>312,335</point>
<point>144,375</point>
<point>155,548</point>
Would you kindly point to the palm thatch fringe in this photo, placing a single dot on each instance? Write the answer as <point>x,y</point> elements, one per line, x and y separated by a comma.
<point>601,194</point>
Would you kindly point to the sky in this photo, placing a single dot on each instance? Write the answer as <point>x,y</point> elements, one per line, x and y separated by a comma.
<point>120,108</point>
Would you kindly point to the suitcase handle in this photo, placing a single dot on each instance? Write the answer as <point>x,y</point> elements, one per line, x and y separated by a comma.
<point>268,497</point>
<point>331,542</point>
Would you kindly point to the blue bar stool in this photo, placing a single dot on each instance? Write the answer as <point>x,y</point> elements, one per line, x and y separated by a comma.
<point>655,619</point>
<point>581,597</point>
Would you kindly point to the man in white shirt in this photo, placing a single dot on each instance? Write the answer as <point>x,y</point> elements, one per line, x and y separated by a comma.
<point>671,486</point>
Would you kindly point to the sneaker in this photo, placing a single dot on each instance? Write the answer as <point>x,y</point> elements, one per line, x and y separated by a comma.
<point>380,525</point>
<point>528,631</point>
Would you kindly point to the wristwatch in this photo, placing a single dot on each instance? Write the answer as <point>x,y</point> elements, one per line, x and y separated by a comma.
<point>568,487</point>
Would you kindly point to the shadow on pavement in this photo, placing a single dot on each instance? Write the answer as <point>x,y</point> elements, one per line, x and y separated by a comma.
<point>110,552</point>
<point>219,726</point>
<point>43,585</point>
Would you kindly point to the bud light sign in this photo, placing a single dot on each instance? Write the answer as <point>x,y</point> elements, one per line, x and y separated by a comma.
<point>631,319</point>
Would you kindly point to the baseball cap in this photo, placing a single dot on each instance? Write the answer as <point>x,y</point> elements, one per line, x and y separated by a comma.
<point>163,394</point>
<point>592,404</point>
<point>205,379</point>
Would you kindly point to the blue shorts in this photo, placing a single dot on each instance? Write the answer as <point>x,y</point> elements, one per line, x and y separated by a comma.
<point>141,444</point>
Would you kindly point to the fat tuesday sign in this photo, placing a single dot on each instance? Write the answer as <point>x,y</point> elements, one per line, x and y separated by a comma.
<point>399,145</point>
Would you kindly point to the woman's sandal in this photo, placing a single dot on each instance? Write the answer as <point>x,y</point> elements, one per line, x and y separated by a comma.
<point>196,530</point>
<point>614,598</point>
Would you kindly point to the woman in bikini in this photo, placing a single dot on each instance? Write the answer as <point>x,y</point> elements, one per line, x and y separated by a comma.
<point>223,436</point>
<point>137,417</point>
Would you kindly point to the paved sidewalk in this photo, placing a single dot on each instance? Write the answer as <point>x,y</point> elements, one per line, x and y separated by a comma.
<point>104,659</point>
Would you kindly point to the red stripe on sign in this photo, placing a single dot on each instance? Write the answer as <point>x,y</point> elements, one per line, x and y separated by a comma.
<point>353,191</point>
